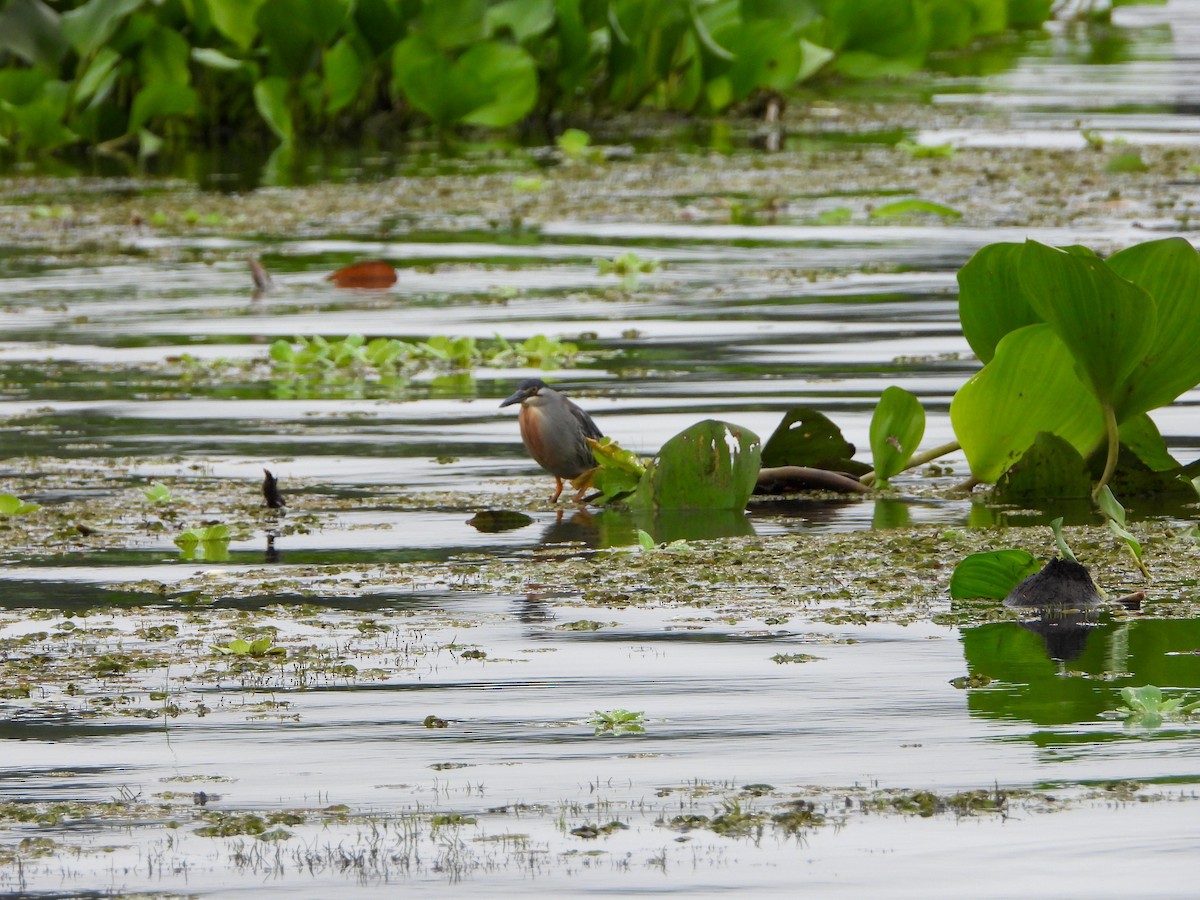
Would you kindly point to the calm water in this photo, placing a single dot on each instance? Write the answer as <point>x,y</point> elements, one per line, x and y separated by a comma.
<point>722,331</point>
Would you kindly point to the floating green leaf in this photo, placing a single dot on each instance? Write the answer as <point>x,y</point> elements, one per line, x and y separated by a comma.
<point>903,209</point>
<point>15,506</point>
<point>157,493</point>
<point>618,471</point>
<point>711,465</point>
<point>897,427</point>
<point>991,575</point>
<point>806,437</point>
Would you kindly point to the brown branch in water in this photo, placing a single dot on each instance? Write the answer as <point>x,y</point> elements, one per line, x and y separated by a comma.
<point>919,459</point>
<point>789,479</point>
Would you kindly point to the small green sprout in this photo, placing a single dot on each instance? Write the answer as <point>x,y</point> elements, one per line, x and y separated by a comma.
<point>628,266</point>
<point>617,722</point>
<point>576,146</point>
<point>157,493</point>
<point>1115,513</point>
<point>15,506</point>
<point>257,649</point>
<point>646,542</point>
<point>1145,707</point>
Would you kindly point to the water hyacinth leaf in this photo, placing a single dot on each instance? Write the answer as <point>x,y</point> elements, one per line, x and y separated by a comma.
<point>807,437</point>
<point>991,575</point>
<point>431,83</point>
<point>236,20</point>
<point>897,427</point>
<point>32,30</point>
<point>212,58</point>
<point>1169,271</point>
<point>618,471</point>
<point>1108,323</point>
<point>1029,387</point>
<point>903,209</point>
<point>15,506</point>
<point>509,75</point>
<point>344,73</point>
<point>711,465</point>
<point>523,19</point>
<point>1050,469</point>
<point>1141,436</point>
<point>454,23</point>
<point>90,26</point>
<point>271,100</point>
<point>162,99</point>
<point>990,302</point>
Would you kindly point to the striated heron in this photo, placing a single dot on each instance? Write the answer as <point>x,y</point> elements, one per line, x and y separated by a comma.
<point>555,433</point>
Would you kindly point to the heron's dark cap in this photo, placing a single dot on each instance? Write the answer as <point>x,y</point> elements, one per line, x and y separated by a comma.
<point>527,388</point>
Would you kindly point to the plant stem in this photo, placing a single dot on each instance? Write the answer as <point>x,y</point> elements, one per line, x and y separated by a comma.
<point>919,459</point>
<point>1114,448</point>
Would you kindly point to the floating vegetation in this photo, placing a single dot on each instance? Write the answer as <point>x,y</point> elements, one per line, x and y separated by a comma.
<point>618,722</point>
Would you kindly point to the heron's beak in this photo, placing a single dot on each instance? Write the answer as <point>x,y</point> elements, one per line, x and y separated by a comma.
<point>515,398</point>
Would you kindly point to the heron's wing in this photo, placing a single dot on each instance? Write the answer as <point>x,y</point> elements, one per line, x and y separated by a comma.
<point>590,429</point>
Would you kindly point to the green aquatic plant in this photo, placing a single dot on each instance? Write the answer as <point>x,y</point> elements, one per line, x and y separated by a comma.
<point>711,465</point>
<point>209,543</point>
<point>157,493</point>
<point>628,267</point>
<point>649,545</point>
<point>897,427</point>
<point>258,649</point>
<point>1075,346</point>
<point>1146,707</point>
<point>14,506</point>
<point>617,722</point>
<point>1114,512</point>
<point>117,73</point>
<point>318,358</point>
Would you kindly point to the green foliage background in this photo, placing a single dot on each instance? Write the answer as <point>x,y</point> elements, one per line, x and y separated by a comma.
<point>110,72</point>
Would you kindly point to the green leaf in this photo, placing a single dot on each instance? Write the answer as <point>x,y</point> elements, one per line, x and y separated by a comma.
<point>32,30</point>
<point>991,575</point>
<point>15,506</point>
<point>618,471</point>
<point>236,19</point>
<point>89,27</point>
<point>1064,549</point>
<point>213,58</point>
<point>451,25</point>
<point>711,465</point>
<point>990,301</point>
<point>645,541</point>
<point>162,99</point>
<point>1126,162</point>
<point>164,57</point>
<point>1115,512</point>
<point>271,100</point>
<point>905,209</point>
<point>1108,323</point>
<point>157,492</point>
<point>524,19</point>
<point>509,76</point>
<point>1030,386</point>
<point>1050,469</point>
<point>897,427</point>
<point>344,72</point>
<point>1169,271</point>
<point>806,437</point>
<point>1140,435</point>
<point>97,75</point>
<point>38,124</point>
